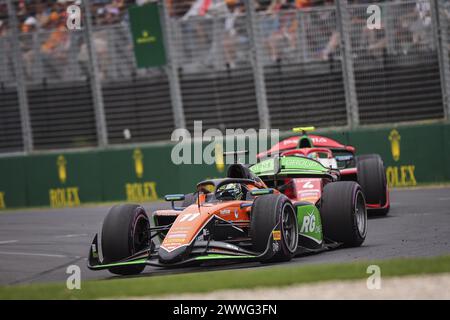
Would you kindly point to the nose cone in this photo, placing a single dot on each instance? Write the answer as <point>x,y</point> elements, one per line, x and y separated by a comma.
<point>172,256</point>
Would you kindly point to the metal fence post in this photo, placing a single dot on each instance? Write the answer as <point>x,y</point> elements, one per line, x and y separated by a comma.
<point>258,68</point>
<point>343,20</point>
<point>27,134</point>
<point>95,81</point>
<point>301,34</point>
<point>172,67</point>
<point>3,60</point>
<point>441,16</point>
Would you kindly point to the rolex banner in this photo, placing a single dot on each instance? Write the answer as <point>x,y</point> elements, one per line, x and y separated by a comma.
<point>147,36</point>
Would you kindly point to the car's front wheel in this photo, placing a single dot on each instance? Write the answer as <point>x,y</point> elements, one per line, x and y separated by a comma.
<point>269,212</point>
<point>124,233</point>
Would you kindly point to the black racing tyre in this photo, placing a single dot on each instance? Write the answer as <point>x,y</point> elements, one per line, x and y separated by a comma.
<point>189,199</point>
<point>372,179</point>
<point>267,212</point>
<point>344,214</point>
<point>368,156</point>
<point>124,232</point>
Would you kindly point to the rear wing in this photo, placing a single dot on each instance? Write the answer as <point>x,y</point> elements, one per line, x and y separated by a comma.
<point>287,166</point>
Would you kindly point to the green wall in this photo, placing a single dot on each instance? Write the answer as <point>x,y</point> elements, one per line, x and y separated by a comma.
<point>421,154</point>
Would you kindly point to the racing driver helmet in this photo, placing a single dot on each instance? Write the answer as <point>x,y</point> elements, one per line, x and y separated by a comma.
<point>230,191</point>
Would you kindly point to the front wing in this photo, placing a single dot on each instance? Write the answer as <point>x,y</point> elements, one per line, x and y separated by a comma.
<point>202,252</point>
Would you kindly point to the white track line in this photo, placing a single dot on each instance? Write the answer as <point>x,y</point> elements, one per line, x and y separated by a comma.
<point>34,254</point>
<point>72,235</point>
<point>8,241</point>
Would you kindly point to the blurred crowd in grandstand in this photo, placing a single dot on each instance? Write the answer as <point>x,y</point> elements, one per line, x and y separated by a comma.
<point>280,25</point>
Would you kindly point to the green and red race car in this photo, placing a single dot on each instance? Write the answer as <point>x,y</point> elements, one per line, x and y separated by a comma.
<point>368,170</point>
<point>235,219</point>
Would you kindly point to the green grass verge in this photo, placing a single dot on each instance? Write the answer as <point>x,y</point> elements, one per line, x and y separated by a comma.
<point>230,279</point>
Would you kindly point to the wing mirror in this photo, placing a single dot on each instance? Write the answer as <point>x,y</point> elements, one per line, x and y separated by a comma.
<point>174,197</point>
<point>261,192</point>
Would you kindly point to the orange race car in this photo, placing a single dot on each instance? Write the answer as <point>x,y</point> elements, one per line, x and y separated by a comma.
<point>237,218</point>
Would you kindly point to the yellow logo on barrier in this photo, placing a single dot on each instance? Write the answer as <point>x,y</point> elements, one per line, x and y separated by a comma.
<point>141,192</point>
<point>402,176</point>
<point>61,163</point>
<point>138,163</point>
<point>2,200</point>
<point>394,138</point>
<point>399,176</point>
<point>218,150</point>
<point>64,197</point>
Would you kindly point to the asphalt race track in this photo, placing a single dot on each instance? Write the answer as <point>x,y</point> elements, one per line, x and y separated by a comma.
<point>38,245</point>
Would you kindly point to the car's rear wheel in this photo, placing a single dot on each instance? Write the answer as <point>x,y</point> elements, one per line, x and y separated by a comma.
<point>343,212</point>
<point>270,212</point>
<point>372,178</point>
<point>124,233</point>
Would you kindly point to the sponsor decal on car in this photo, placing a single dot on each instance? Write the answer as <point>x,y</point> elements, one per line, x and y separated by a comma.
<point>291,142</point>
<point>318,139</point>
<point>276,234</point>
<point>266,166</point>
<point>308,189</point>
<point>300,163</point>
<point>312,196</point>
<point>275,247</point>
<point>310,223</point>
<point>185,230</point>
<point>177,236</point>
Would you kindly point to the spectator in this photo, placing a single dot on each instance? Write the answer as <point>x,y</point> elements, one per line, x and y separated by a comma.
<point>55,47</point>
<point>232,38</point>
<point>302,4</point>
<point>3,30</point>
<point>286,28</point>
<point>194,29</point>
<point>178,8</point>
<point>198,8</point>
<point>325,24</point>
<point>421,27</point>
<point>413,29</point>
<point>28,40</point>
<point>101,49</point>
